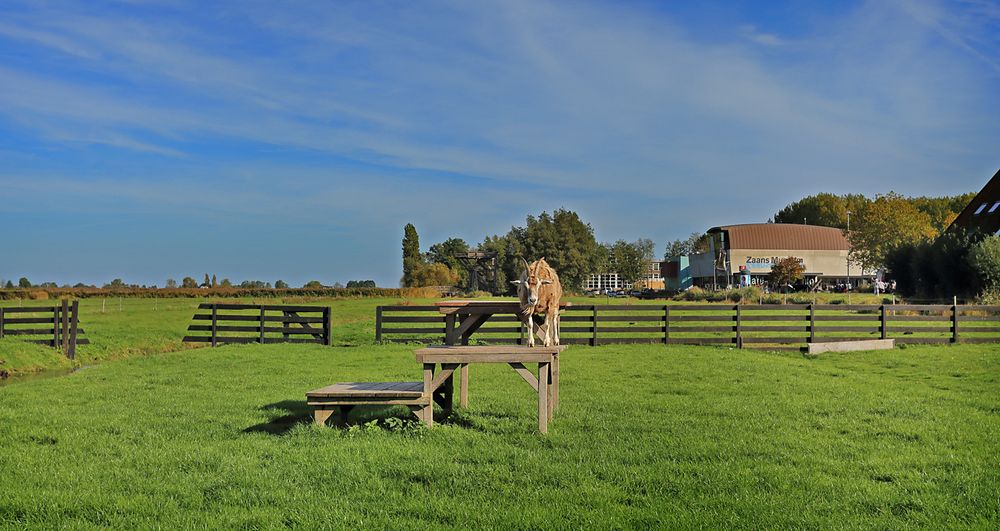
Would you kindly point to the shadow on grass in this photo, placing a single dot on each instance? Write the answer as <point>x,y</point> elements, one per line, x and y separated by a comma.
<point>297,412</point>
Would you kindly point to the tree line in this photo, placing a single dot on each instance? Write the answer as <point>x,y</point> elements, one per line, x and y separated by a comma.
<point>562,238</point>
<point>189,283</point>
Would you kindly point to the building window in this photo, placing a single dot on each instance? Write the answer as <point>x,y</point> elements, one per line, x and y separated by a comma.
<point>995,205</point>
<point>980,209</point>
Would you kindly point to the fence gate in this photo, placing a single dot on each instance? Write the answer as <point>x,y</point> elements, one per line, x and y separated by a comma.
<point>59,321</point>
<point>261,323</point>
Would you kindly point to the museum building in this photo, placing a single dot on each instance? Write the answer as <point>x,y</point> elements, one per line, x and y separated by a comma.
<point>743,254</point>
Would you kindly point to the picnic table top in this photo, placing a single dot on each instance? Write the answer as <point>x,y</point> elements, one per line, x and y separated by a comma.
<point>486,354</point>
<point>496,306</point>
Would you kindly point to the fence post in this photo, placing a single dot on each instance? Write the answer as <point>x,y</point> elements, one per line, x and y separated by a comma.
<point>883,321</point>
<point>214,323</point>
<point>75,322</point>
<point>65,327</point>
<point>666,324</point>
<point>55,326</point>
<point>327,327</point>
<point>739,326</point>
<point>954,322</point>
<point>378,324</point>
<point>1,323</point>
<point>263,323</point>
<point>812,323</point>
<point>593,341</point>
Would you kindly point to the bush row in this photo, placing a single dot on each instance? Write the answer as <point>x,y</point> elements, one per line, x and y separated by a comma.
<point>166,293</point>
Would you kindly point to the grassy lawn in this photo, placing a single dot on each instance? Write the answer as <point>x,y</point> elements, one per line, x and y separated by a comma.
<point>647,436</point>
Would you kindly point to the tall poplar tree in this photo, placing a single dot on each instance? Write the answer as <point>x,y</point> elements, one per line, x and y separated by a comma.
<point>411,255</point>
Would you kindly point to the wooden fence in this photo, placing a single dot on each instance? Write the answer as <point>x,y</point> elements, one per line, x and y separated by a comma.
<point>288,327</point>
<point>59,321</point>
<point>786,326</point>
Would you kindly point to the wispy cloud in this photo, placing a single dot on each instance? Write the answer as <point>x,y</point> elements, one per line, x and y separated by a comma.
<point>373,112</point>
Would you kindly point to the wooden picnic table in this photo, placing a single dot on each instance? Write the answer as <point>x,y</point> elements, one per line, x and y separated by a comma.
<point>464,317</point>
<point>452,358</point>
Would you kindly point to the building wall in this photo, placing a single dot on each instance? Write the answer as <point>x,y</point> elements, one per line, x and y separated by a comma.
<point>826,263</point>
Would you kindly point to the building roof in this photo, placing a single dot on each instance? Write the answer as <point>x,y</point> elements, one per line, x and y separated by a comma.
<point>784,236</point>
<point>983,212</point>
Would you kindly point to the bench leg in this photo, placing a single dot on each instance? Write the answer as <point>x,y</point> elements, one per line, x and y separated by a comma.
<point>543,396</point>
<point>321,415</point>
<point>428,411</point>
<point>463,386</point>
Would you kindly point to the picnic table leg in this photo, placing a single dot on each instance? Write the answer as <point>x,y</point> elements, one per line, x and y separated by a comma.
<point>449,393</point>
<point>463,386</point>
<point>555,381</point>
<point>342,413</point>
<point>428,413</point>
<point>543,394</point>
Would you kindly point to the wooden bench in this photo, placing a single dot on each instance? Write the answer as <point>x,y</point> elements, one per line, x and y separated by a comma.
<point>341,398</point>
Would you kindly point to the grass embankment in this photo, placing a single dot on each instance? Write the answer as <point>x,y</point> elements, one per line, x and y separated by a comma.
<point>647,436</point>
<point>127,328</point>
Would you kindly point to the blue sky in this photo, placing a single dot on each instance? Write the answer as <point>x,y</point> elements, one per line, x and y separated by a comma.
<point>265,140</point>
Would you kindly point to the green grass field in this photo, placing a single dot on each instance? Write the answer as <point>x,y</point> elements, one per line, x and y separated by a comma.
<point>646,436</point>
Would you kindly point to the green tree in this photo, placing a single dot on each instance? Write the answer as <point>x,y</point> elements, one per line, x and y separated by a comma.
<point>444,253</point>
<point>411,254</point>
<point>280,284</point>
<point>985,259</point>
<point>9,285</point>
<point>361,284</point>
<point>171,283</point>
<point>630,259</point>
<point>786,271</point>
<point>24,283</point>
<point>697,242</point>
<point>434,275</point>
<point>116,284</point>
<point>189,282</point>
<point>226,283</point>
<point>823,209</point>
<point>313,284</point>
<point>214,283</point>
<point>509,251</point>
<point>883,225</point>
<point>566,243</point>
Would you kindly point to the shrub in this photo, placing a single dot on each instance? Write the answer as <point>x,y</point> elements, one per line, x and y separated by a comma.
<point>39,295</point>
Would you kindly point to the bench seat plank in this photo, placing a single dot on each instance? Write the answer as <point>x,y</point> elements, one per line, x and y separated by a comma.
<point>369,390</point>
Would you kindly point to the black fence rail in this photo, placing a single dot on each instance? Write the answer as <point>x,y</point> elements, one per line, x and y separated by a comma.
<point>786,326</point>
<point>60,321</point>
<point>261,323</point>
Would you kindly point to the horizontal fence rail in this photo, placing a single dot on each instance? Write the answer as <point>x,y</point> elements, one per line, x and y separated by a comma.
<point>261,323</point>
<point>786,326</point>
<point>60,322</point>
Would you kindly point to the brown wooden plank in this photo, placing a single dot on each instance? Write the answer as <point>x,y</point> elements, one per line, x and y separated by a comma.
<point>823,318</point>
<point>409,309</point>
<point>8,321</point>
<point>30,309</point>
<point>778,317</point>
<point>930,340</point>
<point>414,319</point>
<point>851,307</point>
<point>636,329</point>
<point>767,328</point>
<point>412,330</point>
<point>689,318</point>
<point>875,329</point>
<point>682,329</point>
<point>893,318</point>
<point>775,339</point>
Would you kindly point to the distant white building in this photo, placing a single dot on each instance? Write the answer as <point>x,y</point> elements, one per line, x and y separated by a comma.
<point>611,281</point>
